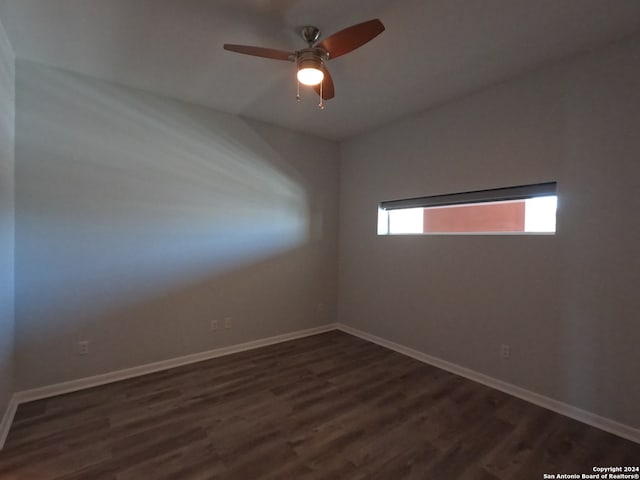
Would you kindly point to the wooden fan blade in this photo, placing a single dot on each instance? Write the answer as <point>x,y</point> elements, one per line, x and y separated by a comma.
<point>351,38</point>
<point>328,91</point>
<point>261,52</point>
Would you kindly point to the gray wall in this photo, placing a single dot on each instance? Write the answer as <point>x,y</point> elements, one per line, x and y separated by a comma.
<point>567,304</point>
<point>140,219</point>
<point>7,109</point>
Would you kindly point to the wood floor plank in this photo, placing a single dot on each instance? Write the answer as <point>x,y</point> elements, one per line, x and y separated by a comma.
<point>330,406</point>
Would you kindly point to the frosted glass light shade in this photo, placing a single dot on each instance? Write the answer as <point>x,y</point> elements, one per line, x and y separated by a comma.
<point>310,76</point>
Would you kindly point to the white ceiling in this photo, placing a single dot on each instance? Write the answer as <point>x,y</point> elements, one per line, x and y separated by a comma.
<point>432,50</point>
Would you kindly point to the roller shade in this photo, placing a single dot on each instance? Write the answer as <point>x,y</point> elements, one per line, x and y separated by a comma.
<point>479,196</point>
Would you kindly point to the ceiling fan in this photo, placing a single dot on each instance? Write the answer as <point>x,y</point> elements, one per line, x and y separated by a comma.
<point>311,60</point>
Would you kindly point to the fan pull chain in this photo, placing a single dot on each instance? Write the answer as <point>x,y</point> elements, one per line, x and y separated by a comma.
<point>298,92</point>
<point>321,104</point>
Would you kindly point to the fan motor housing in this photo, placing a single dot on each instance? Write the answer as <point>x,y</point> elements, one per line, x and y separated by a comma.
<point>311,58</point>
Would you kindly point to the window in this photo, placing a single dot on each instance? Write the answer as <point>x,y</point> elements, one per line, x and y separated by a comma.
<point>523,209</point>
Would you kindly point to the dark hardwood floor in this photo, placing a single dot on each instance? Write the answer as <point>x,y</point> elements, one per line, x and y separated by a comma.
<point>330,406</point>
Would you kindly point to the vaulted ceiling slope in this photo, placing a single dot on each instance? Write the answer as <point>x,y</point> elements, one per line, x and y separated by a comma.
<point>432,50</point>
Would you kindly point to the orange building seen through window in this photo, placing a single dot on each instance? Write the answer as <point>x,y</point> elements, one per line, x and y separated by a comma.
<point>481,217</point>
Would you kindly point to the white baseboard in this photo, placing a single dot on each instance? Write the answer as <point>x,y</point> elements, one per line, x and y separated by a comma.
<point>606,424</point>
<point>102,379</point>
<point>7,419</point>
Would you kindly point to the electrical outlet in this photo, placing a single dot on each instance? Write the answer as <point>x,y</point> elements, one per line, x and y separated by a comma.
<point>505,351</point>
<point>228,322</point>
<point>215,325</point>
<point>83,347</point>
